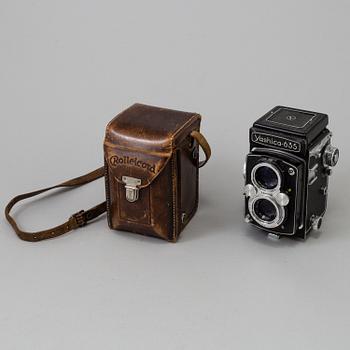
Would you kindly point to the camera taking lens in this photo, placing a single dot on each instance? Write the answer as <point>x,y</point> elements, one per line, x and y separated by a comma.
<point>265,210</point>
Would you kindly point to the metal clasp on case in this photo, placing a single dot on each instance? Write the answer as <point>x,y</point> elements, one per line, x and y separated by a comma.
<point>131,189</point>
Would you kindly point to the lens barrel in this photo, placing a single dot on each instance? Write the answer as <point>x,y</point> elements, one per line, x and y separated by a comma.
<point>263,205</point>
<point>266,176</point>
<point>265,210</point>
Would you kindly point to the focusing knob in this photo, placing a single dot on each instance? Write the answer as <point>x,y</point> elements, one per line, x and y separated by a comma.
<point>331,156</point>
<point>249,191</point>
<point>282,199</point>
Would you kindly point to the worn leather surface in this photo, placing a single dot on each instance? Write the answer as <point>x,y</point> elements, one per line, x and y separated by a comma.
<point>159,147</point>
<point>148,128</point>
<point>154,145</point>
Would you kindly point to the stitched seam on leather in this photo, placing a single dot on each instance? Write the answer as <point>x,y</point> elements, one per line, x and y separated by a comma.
<point>108,196</point>
<point>195,207</point>
<point>167,152</point>
<point>191,214</point>
<point>174,195</point>
<point>170,222</point>
<point>189,122</point>
<point>197,188</point>
<point>197,182</point>
<point>150,211</point>
<point>135,222</point>
<point>170,148</point>
<point>177,203</point>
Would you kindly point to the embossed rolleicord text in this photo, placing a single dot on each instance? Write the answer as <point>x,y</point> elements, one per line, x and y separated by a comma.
<point>276,141</point>
<point>133,161</point>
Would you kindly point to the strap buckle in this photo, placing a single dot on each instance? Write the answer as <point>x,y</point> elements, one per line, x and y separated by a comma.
<point>78,219</point>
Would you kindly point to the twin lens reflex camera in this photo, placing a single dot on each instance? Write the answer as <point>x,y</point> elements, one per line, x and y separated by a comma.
<point>287,170</point>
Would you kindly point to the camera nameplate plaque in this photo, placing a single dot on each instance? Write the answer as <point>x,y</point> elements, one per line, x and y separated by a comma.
<point>276,141</point>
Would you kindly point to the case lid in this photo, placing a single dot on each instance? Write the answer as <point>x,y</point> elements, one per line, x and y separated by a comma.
<point>140,141</point>
<point>149,128</point>
<point>294,121</point>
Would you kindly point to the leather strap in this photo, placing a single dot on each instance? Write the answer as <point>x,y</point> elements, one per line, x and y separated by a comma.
<point>204,144</point>
<point>78,219</point>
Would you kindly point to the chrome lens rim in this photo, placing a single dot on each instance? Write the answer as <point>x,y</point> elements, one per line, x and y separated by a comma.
<point>280,212</point>
<point>274,169</point>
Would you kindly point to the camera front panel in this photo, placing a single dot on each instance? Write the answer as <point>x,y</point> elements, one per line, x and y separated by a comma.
<point>287,171</point>
<point>273,191</point>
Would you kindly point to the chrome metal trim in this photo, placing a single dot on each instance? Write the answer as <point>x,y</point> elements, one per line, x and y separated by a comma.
<point>273,236</point>
<point>330,156</point>
<point>317,149</point>
<point>131,189</point>
<point>276,171</point>
<point>280,212</point>
<point>282,199</point>
<point>275,154</point>
<point>316,222</point>
<point>313,152</point>
<point>245,170</point>
<point>288,144</point>
<point>250,191</point>
<point>312,176</point>
<point>294,110</point>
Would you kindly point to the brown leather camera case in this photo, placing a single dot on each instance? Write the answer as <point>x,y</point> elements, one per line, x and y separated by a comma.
<point>151,175</point>
<point>151,170</point>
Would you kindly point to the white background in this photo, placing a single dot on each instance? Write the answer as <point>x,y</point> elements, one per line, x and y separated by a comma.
<point>66,68</point>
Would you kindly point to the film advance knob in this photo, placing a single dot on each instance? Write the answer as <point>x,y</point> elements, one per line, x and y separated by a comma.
<point>331,156</point>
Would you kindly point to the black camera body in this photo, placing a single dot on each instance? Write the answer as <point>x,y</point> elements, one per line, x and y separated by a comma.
<point>287,170</point>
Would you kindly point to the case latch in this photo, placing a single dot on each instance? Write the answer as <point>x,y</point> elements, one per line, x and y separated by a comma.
<point>131,189</point>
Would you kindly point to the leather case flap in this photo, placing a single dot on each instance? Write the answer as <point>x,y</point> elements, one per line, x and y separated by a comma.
<point>132,163</point>
<point>140,140</point>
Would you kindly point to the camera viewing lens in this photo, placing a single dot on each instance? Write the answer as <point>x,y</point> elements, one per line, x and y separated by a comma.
<point>266,177</point>
<point>265,210</point>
